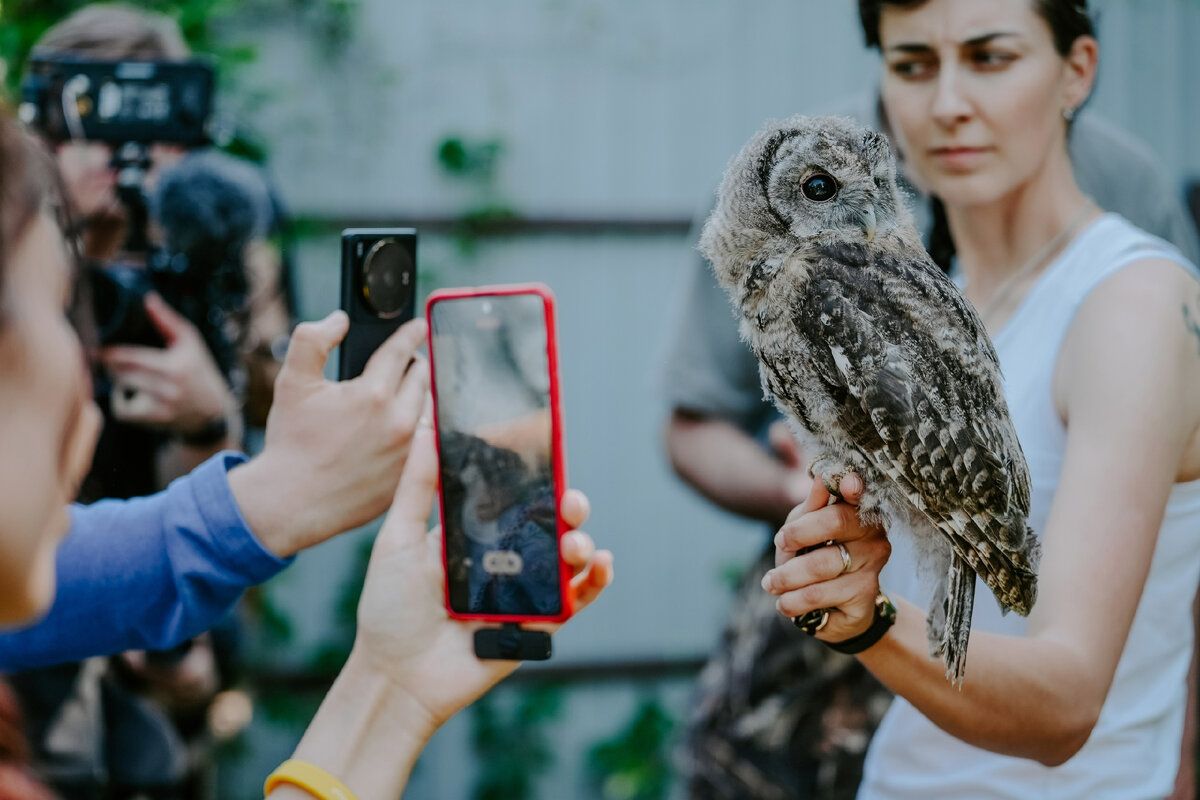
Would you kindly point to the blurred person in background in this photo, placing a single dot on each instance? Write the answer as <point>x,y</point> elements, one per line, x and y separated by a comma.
<point>1094,323</point>
<point>777,714</point>
<point>189,401</point>
<point>166,410</point>
<point>148,571</point>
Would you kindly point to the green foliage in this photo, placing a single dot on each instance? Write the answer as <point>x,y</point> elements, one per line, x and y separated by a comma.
<point>330,23</point>
<point>635,763</point>
<point>24,21</point>
<point>330,657</point>
<point>467,159</point>
<point>288,708</point>
<point>245,144</point>
<point>273,622</point>
<point>731,573</point>
<point>512,748</point>
<point>476,163</point>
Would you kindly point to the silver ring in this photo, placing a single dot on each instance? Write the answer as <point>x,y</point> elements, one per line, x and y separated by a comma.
<point>845,558</point>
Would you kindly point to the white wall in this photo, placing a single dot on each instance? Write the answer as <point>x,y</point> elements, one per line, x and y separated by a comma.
<point>619,108</point>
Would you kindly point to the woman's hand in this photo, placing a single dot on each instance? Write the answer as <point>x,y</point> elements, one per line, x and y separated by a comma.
<point>404,632</point>
<point>819,578</point>
<point>177,387</point>
<point>413,666</point>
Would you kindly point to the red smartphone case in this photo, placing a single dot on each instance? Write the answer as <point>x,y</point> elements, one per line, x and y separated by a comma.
<point>556,439</point>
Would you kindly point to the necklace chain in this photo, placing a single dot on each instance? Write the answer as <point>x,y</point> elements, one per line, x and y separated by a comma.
<point>1004,291</point>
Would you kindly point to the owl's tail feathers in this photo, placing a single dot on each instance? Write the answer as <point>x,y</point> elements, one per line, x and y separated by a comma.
<point>957,604</point>
<point>1022,593</point>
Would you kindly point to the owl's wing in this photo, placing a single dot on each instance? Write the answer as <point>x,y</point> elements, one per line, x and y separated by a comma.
<point>922,400</point>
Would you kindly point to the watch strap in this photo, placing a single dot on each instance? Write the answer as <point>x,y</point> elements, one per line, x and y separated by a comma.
<point>885,617</point>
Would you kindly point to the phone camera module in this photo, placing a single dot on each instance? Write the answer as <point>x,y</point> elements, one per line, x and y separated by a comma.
<point>387,278</point>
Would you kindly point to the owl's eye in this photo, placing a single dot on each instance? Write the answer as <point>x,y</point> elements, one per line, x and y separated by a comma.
<point>820,187</point>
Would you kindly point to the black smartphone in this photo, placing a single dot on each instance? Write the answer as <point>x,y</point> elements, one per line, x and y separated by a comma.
<point>379,290</point>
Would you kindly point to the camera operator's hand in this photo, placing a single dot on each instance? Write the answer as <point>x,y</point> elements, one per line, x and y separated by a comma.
<point>177,387</point>
<point>413,666</point>
<point>334,451</point>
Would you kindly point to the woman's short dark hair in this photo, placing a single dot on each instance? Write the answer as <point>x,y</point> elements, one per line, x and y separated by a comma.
<point>1068,19</point>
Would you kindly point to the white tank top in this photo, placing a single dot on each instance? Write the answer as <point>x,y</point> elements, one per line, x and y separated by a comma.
<point>1134,750</point>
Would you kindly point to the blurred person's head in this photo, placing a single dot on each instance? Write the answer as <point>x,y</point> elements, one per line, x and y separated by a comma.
<point>48,423</point>
<point>107,32</point>
<point>979,94</point>
<point>114,32</point>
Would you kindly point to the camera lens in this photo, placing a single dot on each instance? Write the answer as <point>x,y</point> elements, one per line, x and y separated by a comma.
<point>387,274</point>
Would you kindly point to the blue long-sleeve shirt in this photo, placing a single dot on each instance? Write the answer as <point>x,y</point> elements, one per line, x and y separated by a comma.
<point>146,573</point>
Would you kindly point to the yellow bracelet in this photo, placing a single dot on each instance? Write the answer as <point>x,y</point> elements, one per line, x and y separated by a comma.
<point>309,777</point>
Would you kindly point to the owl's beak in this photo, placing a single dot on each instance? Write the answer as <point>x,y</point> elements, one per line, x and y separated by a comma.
<point>867,217</point>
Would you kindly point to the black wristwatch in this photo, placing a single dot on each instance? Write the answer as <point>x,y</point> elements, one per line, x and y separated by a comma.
<point>885,617</point>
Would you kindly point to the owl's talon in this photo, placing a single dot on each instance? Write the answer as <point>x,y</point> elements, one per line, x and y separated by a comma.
<point>812,465</point>
<point>833,484</point>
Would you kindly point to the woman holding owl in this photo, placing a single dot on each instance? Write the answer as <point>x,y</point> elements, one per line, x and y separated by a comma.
<point>1097,328</point>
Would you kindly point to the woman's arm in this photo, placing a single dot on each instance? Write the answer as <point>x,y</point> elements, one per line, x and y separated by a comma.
<point>1129,375</point>
<point>146,573</point>
<point>412,667</point>
<point>153,571</point>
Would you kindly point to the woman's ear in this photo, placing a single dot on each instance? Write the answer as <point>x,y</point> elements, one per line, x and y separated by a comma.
<point>1080,72</point>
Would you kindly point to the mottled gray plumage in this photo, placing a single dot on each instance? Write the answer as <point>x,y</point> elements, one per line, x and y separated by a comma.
<point>878,360</point>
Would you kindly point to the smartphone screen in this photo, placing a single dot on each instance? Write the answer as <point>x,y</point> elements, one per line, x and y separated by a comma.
<point>495,427</point>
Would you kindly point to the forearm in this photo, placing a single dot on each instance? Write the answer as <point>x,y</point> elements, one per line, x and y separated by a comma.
<point>730,468</point>
<point>279,507</point>
<point>145,573</point>
<point>1031,697</point>
<point>367,733</point>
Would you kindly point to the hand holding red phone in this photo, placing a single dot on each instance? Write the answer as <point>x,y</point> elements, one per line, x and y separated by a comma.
<point>404,631</point>
<point>497,410</point>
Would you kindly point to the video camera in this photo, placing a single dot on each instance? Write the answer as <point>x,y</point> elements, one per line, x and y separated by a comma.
<point>168,102</point>
<point>209,205</point>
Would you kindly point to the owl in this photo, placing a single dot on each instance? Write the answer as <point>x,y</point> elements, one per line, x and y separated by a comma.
<point>877,360</point>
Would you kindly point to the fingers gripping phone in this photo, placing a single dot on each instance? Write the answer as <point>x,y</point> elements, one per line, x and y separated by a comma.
<point>494,362</point>
<point>379,290</point>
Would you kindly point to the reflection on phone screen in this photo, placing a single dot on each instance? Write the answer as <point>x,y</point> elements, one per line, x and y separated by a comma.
<point>499,516</point>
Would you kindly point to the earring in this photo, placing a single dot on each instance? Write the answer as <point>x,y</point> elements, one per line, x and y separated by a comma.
<point>1068,114</point>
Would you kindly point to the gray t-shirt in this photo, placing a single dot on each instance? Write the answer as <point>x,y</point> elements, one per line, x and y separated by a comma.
<point>710,371</point>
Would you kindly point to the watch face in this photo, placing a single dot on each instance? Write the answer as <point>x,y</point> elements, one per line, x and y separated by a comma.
<point>885,608</point>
